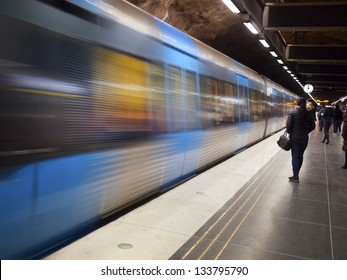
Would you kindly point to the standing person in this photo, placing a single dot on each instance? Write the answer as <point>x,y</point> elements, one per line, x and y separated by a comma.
<point>327,121</point>
<point>299,124</point>
<point>337,118</point>
<point>312,110</point>
<point>320,117</point>
<point>344,136</point>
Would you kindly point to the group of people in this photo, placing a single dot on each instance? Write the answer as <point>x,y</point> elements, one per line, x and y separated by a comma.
<point>301,122</point>
<point>327,116</point>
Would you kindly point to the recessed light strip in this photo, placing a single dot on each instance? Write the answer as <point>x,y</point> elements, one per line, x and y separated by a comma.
<point>231,6</point>
<point>251,27</point>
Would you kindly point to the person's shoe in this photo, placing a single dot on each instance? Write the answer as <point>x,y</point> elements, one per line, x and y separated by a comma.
<point>294,179</point>
<point>327,142</point>
<point>323,141</point>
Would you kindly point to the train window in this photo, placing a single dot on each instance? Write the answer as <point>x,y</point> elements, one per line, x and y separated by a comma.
<point>256,105</point>
<point>157,98</point>
<point>275,104</point>
<point>219,104</point>
<point>120,96</point>
<point>280,105</point>
<point>31,118</point>
<point>270,99</point>
<point>210,109</point>
<point>191,101</point>
<point>227,102</point>
<point>176,99</point>
<point>263,105</point>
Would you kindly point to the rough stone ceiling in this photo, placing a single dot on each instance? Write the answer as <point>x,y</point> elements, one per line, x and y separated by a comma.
<point>211,22</point>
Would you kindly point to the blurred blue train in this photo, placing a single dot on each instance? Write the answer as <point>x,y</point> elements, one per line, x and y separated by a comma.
<point>103,105</point>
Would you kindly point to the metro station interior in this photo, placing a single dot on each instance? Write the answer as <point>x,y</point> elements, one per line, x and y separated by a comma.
<point>148,129</point>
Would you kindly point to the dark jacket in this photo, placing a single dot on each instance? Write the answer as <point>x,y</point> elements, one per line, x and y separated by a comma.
<point>338,115</point>
<point>328,114</point>
<point>321,113</point>
<point>300,128</point>
<point>344,127</point>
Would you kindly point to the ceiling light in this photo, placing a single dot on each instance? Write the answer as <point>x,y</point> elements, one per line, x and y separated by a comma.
<point>289,71</point>
<point>273,53</point>
<point>279,61</point>
<point>285,67</point>
<point>231,6</point>
<point>251,27</point>
<point>264,43</point>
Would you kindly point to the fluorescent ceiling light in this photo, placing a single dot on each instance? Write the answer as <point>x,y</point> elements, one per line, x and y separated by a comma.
<point>289,71</point>
<point>280,61</point>
<point>274,54</point>
<point>313,98</point>
<point>251,27</point>
<point>264,43</point>
<point>231,6</point>
<point>285,67</point>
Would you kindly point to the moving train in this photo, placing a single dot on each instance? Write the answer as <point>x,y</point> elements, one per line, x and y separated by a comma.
<point>101,106</point>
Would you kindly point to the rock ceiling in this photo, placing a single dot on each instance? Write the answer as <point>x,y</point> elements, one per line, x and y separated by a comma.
<point>211,22</point>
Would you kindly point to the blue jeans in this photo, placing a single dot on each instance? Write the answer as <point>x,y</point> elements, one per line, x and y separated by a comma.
<point>298,149</point>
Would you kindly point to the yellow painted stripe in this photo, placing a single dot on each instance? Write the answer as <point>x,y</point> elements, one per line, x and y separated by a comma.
<point>252,195</point>
<point>51,93</point>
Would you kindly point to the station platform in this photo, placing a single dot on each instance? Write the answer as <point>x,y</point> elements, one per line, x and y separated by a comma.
<point>244,208</point>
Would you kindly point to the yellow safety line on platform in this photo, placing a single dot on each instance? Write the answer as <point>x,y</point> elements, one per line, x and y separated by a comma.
<point>245,217</point>
<point>222,215</point>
